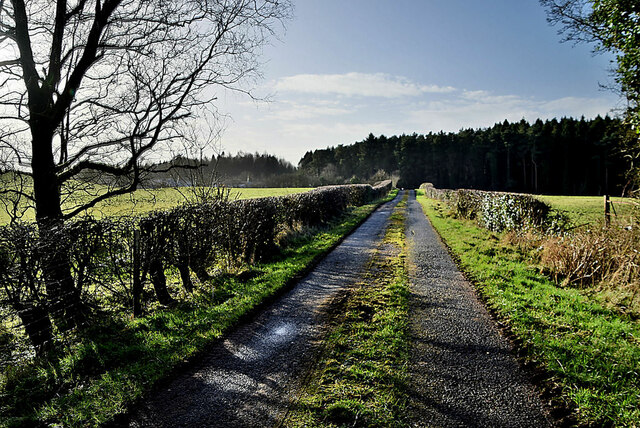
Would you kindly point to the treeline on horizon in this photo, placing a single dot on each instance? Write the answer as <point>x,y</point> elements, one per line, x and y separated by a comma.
<point>241,169</point>
<point>567,156</point>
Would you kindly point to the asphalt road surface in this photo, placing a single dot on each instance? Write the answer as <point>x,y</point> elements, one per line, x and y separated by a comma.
<point>462,369</point>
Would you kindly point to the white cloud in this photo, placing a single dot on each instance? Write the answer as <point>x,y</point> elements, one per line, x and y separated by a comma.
<point>291,111</point>
<point>588,107</point>
<point>357,84</point>
<point>486,97</point>
<point>480,109</point>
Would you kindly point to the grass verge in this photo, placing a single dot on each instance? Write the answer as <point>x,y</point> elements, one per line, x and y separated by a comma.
<point>590,354</point>
<point>360,377</point>
<point>118,360</point>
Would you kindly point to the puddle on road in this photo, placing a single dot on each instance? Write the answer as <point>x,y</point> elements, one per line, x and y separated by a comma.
<point>265,343</point>
<point>283,330</point>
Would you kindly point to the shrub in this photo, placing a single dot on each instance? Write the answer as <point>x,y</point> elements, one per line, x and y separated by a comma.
<point>589,257</point>
<point>508,211</point>
<point>22,289</point>
<point>605,258</point>
<point>251,227</point>
<point>468,203</point>
<point>499,211</point>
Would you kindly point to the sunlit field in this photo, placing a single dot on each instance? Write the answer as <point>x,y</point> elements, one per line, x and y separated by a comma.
<point>590,209</point>
<point>143,201</point>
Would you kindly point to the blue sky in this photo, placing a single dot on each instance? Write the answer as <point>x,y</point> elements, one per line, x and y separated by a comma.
<point>346,68</point>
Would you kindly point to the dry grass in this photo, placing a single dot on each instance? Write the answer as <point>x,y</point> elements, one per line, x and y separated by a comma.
<point>527,241</point>
<point>603,260</point>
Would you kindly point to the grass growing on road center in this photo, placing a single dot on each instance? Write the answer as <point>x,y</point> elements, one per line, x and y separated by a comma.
<point>591,353</point>
<point>360,378</point>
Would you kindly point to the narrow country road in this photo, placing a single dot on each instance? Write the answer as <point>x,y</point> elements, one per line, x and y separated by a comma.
<point>462,369</point>
<point>250,378</point>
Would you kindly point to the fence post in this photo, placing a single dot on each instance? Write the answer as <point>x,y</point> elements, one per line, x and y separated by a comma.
<point>137,280</point>
<point>607,212</point>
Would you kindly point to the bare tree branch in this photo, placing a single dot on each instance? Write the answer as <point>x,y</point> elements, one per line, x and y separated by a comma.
<point>106,86</point>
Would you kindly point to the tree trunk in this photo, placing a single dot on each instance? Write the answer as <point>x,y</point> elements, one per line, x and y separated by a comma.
<point>159,281</point>
<point>508,182</point>
<point>185,276</point>
<point>37,325</point>
<point>534,178</point>
<point>65,303</point>
<point>200,270</point>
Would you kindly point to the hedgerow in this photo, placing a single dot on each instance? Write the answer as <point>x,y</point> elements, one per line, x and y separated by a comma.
<point>107,256</point>
<point>499,211</point>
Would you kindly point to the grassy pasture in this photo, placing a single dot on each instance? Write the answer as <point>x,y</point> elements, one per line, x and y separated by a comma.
<point>590,209</point>
<point>143,201</point>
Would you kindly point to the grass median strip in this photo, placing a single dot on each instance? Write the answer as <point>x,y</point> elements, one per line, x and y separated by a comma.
<point>117,362</point>
<point>361,375</point>
<point>590,353</point>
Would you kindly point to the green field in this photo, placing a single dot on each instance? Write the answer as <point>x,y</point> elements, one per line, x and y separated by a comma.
<point>143,201</point>
<point>590,209</point>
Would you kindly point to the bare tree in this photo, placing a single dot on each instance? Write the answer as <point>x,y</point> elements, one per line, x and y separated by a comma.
<point>202,183</point>
<point>94,89</point>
